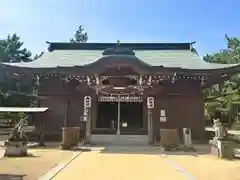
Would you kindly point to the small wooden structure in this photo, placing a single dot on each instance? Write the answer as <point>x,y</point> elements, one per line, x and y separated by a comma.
<point>6,123</point>
<point>123,88</point>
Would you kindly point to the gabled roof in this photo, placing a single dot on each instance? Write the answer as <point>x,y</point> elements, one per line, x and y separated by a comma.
<point>168,55</point>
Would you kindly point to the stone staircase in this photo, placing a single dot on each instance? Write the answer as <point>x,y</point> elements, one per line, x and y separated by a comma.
<point>107,139</point>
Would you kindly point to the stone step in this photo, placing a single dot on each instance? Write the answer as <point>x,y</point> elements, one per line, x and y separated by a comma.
<point>102,139</point>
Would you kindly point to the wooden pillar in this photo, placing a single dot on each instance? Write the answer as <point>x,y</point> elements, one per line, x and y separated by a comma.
<point>41,138</point>
<point>118,118</point>
<point>145,115</point>
<point>150,106</point>
<point>65,121</point>
<point>87,118</point>
<point>94,111</point>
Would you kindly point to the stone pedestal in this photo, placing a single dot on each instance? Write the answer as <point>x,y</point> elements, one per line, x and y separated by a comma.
<point>70,137</point>
<point>169,139</point>
<point>214,149</point>
<point>187,139</point>
<point>222,148</point>
<point>15,149</point>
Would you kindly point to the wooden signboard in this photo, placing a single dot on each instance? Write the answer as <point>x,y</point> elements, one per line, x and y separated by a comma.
<point>120,99</point>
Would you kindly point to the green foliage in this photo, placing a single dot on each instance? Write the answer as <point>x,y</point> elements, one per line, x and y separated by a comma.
<point>15,91</point>
<point>12,95</point>
<point>3,55</point>
<point>80,36</point>
<point>224,99</point>
<point>236,125</point>
<point>13,49</point>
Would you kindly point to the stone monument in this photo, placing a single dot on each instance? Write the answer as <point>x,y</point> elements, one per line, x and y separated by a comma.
<point>16,145</point>
<point>170,139</point>
<point>187,139</point>
<point>221,146</point>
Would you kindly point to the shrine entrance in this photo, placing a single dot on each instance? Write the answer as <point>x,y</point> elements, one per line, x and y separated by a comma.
<point>107,115</point>
<point>119,116</point>
<point>131,117</point>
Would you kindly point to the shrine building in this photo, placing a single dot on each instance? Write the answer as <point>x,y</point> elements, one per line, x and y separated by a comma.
<point>122,88</point>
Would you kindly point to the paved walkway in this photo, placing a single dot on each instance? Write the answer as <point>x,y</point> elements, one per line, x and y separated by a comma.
<point>130,163</point>
<point>120,164</point>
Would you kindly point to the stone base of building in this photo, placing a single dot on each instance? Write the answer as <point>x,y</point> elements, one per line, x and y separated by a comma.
<point>189,149</point>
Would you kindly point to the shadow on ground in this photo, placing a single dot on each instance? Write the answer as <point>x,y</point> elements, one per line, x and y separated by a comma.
<point>149,150</point>
<point>29,155</point>
<point>11,177</point>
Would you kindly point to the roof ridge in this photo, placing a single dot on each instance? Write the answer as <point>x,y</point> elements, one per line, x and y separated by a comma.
<point>102,46</point>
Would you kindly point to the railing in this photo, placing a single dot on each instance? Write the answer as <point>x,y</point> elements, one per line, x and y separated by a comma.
<point>233,132</point>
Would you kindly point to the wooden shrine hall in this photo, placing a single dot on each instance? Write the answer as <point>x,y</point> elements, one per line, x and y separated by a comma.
<point>122,88</point>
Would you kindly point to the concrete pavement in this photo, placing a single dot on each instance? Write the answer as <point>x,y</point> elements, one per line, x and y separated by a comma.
<point>123,163</point>
<point>141,163</point>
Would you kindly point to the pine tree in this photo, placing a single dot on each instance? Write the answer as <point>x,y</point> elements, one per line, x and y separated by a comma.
<point>80,36</point>
<point>226,98</point>
<point>13,48</point>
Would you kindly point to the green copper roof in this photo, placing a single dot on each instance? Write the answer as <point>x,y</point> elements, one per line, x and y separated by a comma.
<point>171,58</point>
<point>166,55</point>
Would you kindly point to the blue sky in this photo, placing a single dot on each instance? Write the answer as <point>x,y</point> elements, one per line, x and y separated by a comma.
<point>204,21</point>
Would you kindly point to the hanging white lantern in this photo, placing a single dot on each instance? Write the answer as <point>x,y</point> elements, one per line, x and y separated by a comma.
<point>150,102</point>
<point>87,101</point>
